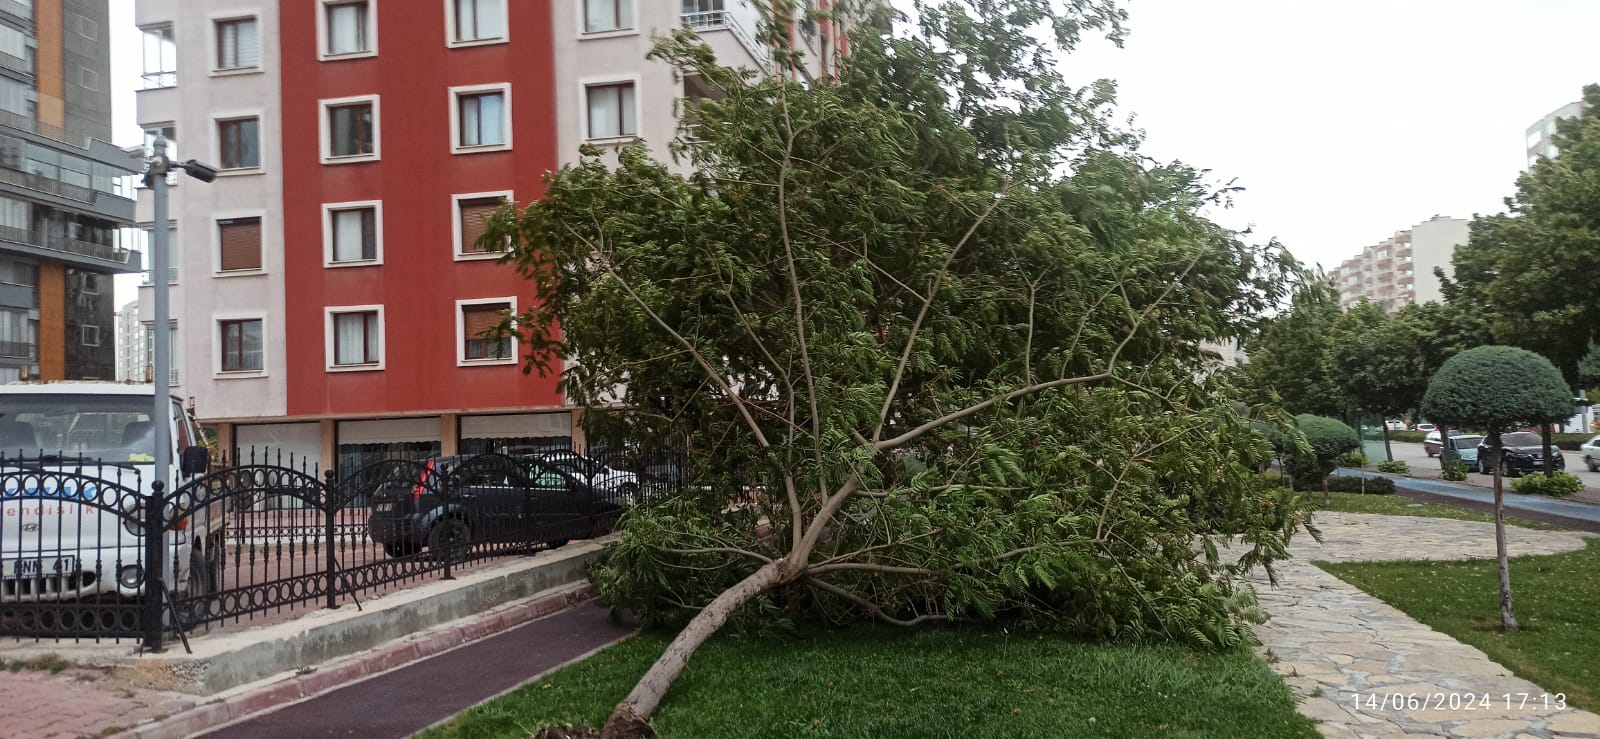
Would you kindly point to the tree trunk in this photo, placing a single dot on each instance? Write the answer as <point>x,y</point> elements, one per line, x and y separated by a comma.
<point>1508,618</point>
<point>1445,452</point>
<point>631,718</point>
<point>1325,501</point>
<point>1388,451</point>
<point>1549,461</point>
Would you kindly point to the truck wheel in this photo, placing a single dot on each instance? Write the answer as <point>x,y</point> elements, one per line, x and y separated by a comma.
<point>450,539</point>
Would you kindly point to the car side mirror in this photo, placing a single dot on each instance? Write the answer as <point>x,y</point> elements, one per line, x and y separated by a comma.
<point>195,460</point>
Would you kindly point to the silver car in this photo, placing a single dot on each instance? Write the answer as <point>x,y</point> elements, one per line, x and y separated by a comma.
<point>1591,454</point>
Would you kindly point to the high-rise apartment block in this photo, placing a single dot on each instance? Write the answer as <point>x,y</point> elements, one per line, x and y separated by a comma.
<point>1399,271</point>
<point>329,288</point>
<point>1540,138</point>
<point>63,192</point>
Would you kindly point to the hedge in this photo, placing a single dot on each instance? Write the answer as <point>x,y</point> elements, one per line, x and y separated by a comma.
<point>1343,484</point>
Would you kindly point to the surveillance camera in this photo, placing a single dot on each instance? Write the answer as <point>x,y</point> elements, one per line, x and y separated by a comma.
<point>200,171</point>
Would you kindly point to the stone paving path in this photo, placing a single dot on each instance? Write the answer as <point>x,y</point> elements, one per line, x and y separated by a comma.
<point>1337,646</point>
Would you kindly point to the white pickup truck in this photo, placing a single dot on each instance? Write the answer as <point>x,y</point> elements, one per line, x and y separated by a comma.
<point>57,439</point>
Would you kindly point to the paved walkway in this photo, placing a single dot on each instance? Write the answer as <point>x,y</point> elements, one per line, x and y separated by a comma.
<point>1335,645</point>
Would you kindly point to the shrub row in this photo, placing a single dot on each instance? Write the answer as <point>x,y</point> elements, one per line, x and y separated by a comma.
<point>1569,442</point>
<point>1559,485</point>
<point>1343,484</point>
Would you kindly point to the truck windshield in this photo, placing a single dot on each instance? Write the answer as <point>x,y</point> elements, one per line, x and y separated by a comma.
<point>113,428</point>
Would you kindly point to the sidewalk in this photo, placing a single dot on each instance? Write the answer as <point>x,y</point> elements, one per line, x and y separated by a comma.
<point>1566,508</point>
<point>1337,647</point>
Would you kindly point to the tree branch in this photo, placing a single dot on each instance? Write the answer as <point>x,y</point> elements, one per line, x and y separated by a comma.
<point>873,608</point>
<point>764,559</point>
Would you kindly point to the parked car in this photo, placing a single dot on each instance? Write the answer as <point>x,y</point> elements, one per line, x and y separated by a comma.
<point>492,499</point>
<point>1522,452</point>
<point>1465,447</point>
<point>1430,443</point>
<point>619,484</point>
<point>1591,454</point>
<point>1424,427</point>
<point>1395,424</point>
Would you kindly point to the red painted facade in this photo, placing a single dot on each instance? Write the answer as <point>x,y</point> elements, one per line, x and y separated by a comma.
<point>419,279</point>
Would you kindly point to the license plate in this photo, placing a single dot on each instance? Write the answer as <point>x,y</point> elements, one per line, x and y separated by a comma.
<point>21,568</point>
<point>383,507</point>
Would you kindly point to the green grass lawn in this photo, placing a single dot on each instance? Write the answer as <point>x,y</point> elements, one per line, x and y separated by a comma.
<point>875,682</point>
<point>1557,599</point>
<point>1394,505</point>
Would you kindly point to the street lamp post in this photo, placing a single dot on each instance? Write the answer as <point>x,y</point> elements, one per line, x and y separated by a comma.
<point>156,179</point>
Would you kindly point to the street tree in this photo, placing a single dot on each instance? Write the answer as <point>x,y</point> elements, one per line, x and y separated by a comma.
<point>1288,364</point>
<point>1376,363</point>
<point>1315,455</point>
<point>1498,389</point>
<point>930,333</point>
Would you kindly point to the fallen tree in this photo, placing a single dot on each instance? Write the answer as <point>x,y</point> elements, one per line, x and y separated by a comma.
<point>931,334</point>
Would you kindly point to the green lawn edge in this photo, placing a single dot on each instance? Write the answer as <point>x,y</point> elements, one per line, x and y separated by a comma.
<point>1395,505</point>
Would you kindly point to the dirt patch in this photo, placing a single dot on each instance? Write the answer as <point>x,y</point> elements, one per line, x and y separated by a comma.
<point>567,731</point>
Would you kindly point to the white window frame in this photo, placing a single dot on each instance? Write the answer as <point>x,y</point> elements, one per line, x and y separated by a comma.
<point>216,242</point>
<point>583,25</point>
<point>461,254</point>
<point>212,49</point>
<point>216,345</point>
<point>329,345</point>
<point>84,331</point>
<point>504,88</point>
<point>461,334</point>
<point>261,141</point>
<point>323,32</point>
<point>450,27</point>
<point>583,107</point>
<point>324,135</point>
<point>328,210</point>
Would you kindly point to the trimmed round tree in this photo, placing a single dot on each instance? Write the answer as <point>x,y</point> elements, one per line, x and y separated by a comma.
<point>1497,389</point>
<point>1327,439</point>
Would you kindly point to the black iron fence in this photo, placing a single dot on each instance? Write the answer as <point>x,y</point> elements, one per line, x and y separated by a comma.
<point>92,551</point>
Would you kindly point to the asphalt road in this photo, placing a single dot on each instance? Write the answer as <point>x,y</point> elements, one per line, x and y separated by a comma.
<point>1413,455</point>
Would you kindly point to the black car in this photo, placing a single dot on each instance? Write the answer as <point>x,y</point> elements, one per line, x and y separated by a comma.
<point>456,502</point>
<point>1522,452</point>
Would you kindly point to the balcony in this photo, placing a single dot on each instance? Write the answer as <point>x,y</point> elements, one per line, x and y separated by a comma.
<point>738,21</point>
<point>22,9</point>
<point>19,350</point>
<point>15,63</point>
<point>104,255</point>
<point>46,184</point>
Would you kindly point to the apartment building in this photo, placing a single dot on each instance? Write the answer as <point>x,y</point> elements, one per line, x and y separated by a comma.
<point>1540,136</point>
<point>133,359</point>
<point>1399,270</point>
<point>63,193</point>
<point>328,288</point>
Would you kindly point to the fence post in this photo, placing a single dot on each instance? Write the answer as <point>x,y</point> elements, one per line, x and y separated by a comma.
<point>154,564</point>
<point>330,510</point>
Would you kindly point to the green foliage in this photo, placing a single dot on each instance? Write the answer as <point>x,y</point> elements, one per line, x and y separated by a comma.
<point>1414,437</point>
<point>1529,273</point>
<point>1288,363</point>
<point>1394,466</point>
<point>926,320</point>
<point>1376,361</point>
<point>1353,459</point>
<point>1558,485</point>
<point>1498,388</point>
<point>1339,484</point>
<point>1326,440</point>
<point>1454,471</point>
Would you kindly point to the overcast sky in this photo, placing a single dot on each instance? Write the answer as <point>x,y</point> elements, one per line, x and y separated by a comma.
<point>1345,121</point>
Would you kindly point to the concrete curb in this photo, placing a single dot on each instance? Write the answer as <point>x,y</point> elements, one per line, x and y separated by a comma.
<point>277,692</point>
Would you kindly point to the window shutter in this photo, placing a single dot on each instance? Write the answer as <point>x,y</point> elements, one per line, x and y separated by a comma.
<point>241,243</point>
<point>476,319</point>
<point>475,216</point>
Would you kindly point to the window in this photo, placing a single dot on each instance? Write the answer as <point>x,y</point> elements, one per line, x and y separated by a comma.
<point>241,345</point>
<point>87,28</point>
<point>351,128</point>
<point>611,111</point>
<point>160,58</point>
<point>240,143</point>
<point>600,16</point>
<point>478,317</point>
<point>352,231</point>
<point>144,240</point>
<point>239,244</point>
<point>472,214</point>
<point>481,117</point>
<point>174,354</point>
<point>238,45</point>
<point>17,97</point>
<point>355,337</point>
<point>477,20</point>
<point>347,28</point>
<point>88,79</point>
<point>170,133</point>
<point>91,335</point>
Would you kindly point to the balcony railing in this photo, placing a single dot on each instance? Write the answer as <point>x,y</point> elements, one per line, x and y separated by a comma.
<point>47,184</point>
<point>18,349</point>
<point>158,80</point>
<point>20,8</point>
<point>22,122</point>
<point>62,243</point>
<point>15,63</point>
<point>717,20</point>
<point>146,280</point>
